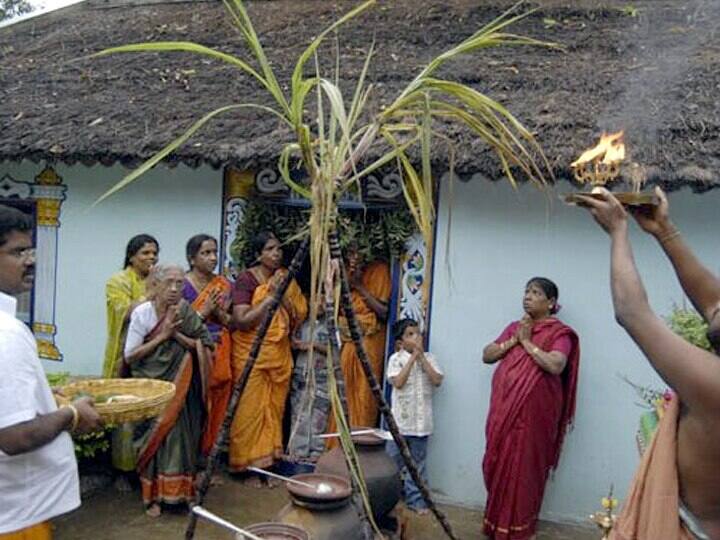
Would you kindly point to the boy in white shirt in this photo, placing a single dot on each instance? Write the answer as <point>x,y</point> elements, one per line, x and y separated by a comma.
<point>413,374</point>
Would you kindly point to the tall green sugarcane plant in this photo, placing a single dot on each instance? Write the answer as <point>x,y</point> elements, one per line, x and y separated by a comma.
<point>332,147</point>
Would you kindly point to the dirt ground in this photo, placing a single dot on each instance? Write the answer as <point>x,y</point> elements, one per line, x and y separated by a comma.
<point>112,515</point>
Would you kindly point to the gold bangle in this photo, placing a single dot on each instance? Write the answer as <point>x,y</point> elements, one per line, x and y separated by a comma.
<point>76,417</point>
<point>535,350</point>
<point>669,236</point>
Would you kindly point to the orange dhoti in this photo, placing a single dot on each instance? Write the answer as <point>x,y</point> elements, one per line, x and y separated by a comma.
<point>40,531</point>
<point>256,432</point>
<point>651,507</point>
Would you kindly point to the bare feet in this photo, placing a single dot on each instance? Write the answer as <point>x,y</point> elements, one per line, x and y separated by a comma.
<point>420,511</point>
<point>272,483</point>
<point>253,481</point>
<point>216,480</point>
<point>153,510</point>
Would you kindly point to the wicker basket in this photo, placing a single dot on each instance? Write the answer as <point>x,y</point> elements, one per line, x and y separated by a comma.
<point>153,396</point>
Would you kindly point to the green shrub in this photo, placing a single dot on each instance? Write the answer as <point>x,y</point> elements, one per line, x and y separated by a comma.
<point>93,444</point>
<point>57,379</point>
<point>376,234</point>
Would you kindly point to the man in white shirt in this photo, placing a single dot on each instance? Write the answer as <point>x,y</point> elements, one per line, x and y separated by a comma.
<point>38,471</point>
<point>414,374</point>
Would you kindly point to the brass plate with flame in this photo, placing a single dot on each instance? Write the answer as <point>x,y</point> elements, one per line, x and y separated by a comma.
<point>599,166</point>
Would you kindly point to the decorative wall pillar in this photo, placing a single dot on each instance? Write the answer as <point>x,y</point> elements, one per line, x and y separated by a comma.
<point>415,280</point>
<point>46,194</point>
<point>49,193</point>
<point>237,186</point>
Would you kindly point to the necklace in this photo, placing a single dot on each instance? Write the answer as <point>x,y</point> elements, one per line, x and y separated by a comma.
<point>200,282</point>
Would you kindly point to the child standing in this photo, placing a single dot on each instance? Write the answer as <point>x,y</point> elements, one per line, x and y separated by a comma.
<point>413,374</point>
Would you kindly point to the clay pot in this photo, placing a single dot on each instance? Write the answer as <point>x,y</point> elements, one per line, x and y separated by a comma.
<point>276,531</point>
<point>379,470</point>
<point>325,515</point>
<point>331,490</point>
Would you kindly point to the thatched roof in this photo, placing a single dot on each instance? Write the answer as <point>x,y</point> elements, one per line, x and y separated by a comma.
<point>654,71</point>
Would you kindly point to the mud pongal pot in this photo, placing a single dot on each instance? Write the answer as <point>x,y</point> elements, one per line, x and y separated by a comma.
<point>379,470</point>
<point>276,531</point>
<point>325,513</point>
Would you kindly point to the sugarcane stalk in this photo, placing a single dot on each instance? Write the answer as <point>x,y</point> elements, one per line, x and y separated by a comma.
<point>334,352</point>
<point>352,464</point>
<point>356,334</point>
<point>241,383</point>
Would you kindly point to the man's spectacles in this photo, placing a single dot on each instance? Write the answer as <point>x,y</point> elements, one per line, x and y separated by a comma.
<point>22,253</point>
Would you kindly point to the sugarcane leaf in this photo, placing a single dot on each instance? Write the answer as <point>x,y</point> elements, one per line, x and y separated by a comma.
<point>184,46</point>
<point>174,145</point>
<point>384,160</point>
<point>338,114</point>
<point>425,138</point>
<point>284,168</point>
<point>297,75</point>
<point>237,9</point>
<point>361,93</point>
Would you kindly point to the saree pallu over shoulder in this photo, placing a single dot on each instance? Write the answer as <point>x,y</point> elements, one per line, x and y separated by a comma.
<point>518,376</point>
<point>164,362</point>
<point>530,410</point>
<point>651,508</point>
<point>220,375</point>
<point>168,447</point>
<point>256,432</point>
<point>121,291</point>
<point>281,327</point>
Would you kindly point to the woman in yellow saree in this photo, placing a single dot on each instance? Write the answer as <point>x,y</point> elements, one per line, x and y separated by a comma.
<point>256,432</point>
<point>123,292</point>
<point>209,295</point>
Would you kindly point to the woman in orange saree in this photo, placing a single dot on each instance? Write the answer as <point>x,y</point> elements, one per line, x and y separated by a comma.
<point>531,405</point>
<point>256,432</point>
<point>371,288</point>
<point>209,295</point>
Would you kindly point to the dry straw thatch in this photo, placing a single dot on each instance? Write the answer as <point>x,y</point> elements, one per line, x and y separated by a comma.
<point>653,67</point>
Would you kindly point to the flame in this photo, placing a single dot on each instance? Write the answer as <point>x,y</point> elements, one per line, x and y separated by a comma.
<point>610,149</point>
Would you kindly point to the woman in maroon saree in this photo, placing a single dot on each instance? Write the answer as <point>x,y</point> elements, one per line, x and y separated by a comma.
<point>531,405</point>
